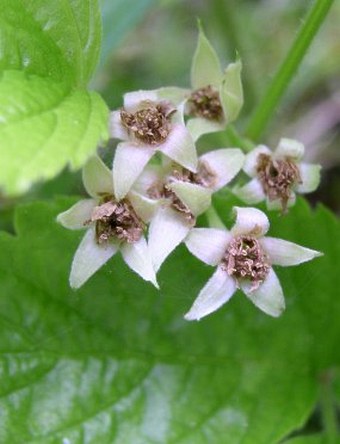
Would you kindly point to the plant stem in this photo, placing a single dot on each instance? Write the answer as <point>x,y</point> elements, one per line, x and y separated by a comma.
<point>237,141</point>
<point>284,75</point>
<point>328,408</point>
<point>214,220</point>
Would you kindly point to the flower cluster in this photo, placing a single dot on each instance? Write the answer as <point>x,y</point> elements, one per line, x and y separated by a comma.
<point>149,202</point>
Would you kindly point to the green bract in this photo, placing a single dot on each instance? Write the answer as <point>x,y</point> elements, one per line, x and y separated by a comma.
<point>48,51</point>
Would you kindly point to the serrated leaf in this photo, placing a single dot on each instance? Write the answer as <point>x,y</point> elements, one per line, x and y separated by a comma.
<point>58,39</point>
<point>45,126</point>
<point>116,363</point>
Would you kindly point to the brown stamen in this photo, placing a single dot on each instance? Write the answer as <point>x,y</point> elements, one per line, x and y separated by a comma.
<point>151,124</point>
<point>205,102</point>
<point>277,177</point>
<point>204,176</point>
<point>116,220</point>
<point>245,259</point>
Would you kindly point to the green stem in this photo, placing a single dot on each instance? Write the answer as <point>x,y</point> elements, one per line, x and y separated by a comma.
<point>284,75</point>
<point>328,409</point>
<point>214,220</point>
<point>237,141</point>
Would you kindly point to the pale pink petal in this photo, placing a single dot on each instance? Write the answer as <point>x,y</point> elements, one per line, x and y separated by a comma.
<point>289,148</point>
<point>89,257</point>
<point>250,221</point>
<point>167,230</point>
<point>180,147</point>
<point>285,253</point>
<point>174,94</point>
<point>208,244</point>
<point>217,291</point>
<point>224,163</point>
<point>195,197</point>
<point>310,176</point>
<point>137,257</point>
<point>128,164</point>
<point>251,160</point>
<point>133,101</point>
<point>198,126</point>
<point>144,206</point>
<point>268,297</point>
<point>152,176</point>
<point>97,178</point>
<point>76,216</point>
<point>116,129</point>
<point>251,193</point>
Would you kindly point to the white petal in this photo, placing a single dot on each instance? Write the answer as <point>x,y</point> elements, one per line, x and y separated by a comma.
<point>284,253</point>
<point>151,176</point>
<point>128,163</point>
<point>268,297</point>
<point>205,66</point>
<point>89,257</point>
<point>97,177</point>
<point>251,193</point>
<point>250,162</point>
<point>144,206</point>
<point>173,93</point>
<point>116,129</point>
<point>167,230</point>
<point>217,291</point>
<point>74,217</point>
<point>133,101</point>
<point>180,147</point>
<point>195,197</point>
<point>250,221</point>
<point>276,204</point>
<point>231,91</point>
<point>289,148</point>
<point>310,176</point>
<point>208,244</point>
<point>225,164</point>
<point>198,126</point>
<point>138,258</point>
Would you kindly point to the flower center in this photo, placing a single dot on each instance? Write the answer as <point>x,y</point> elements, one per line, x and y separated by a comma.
<point>116,220</point>
<point>150,125</point>
<point>205,102</point>
<point>245,259</point>
<point>277,177</point>
<point>204,176</point>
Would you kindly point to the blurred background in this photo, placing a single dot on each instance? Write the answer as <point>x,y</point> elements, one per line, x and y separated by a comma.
<point>149,43</point>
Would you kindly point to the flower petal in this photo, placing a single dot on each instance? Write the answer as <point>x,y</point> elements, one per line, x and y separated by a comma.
<point>250,162</point>
<point>151,176</point>
<point>180,147</point>
<point>208,244</point>
<point>75,217</point>
<point>97,177</point>
<point>144,206</point>
<point>137,257</point>
<point>224,163</point>
<point>116,129</point>
<point>251,193</point>
<point>310,176</point>
<point>285,253</point>
<point>128,163</point>
<point>250,221</point>
<point>173,93</point>
<point>198,126</point>
<point>290,148</point>
<point>89,257</point>
<point>133,101</point>
<point>195,197</point>
<point>217,291</point>
<point>205,66</point>
<point>268,297</point>
<point>231,91</point>
<point>167,230</point>
<point>276,204</point>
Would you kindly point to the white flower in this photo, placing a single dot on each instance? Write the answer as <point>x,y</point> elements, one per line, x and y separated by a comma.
<point>244,259</point>
<point>110,225</point>
<point>217,96</point>
<point>147,123</point>
<point>181,196</point>
<point>276,176</point>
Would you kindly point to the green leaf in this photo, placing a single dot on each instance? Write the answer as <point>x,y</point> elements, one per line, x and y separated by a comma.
<point>58,39</point>
<point>44,126</point>
<point>116,363</point>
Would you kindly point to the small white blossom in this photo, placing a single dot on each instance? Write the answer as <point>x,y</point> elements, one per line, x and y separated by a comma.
<point>110,225</point>
<point>276,176</point>
<point>182,195</point>
<point>148,123</point>
<point>244,258</point>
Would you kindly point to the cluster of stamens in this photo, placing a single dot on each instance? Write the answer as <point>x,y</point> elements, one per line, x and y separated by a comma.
<point>151,124</point>
<point>245,259</point>
<point>116,220</point>
<point>205,102</point>
<point>204,176</point>
<point>278,177</point>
